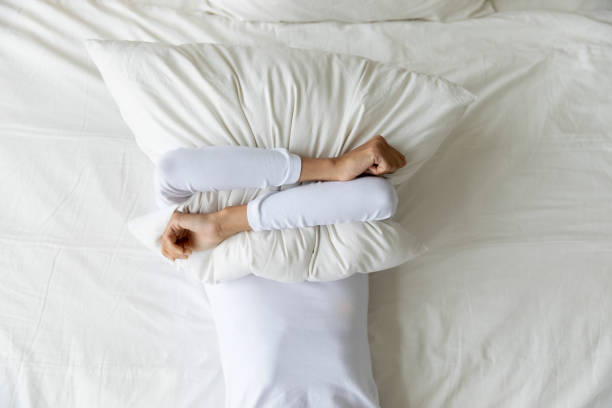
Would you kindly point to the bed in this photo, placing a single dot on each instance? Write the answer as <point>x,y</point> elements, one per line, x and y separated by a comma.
<point>511,306</point>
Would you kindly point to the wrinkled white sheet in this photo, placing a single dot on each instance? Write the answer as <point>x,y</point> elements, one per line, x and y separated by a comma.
<point>510,307</point>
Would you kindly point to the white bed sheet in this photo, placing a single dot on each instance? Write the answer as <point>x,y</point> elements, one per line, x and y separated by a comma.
<point>511,307</point>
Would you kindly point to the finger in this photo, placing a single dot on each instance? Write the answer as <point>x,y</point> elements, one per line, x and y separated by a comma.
<point>186,247</point>
<point>171,247</point>
<point>178,242</point>
<point>389,164</point>
<point>394,155</point>
<point>386,164</point>
<point>175,254</point>
<point>166,241</point>
<point>167,247</point>
<point>179,247</point>
<point>393,151</point>
<point>398,163</point>
<point>390,167</point>
<point>402,158</point>
<point>165,253</point>
<point>380,169</point>
<point>398,157</point>
<point>186,242</point>
<point>374,166</point>
<point>399,160</point>
<point>168,255</point>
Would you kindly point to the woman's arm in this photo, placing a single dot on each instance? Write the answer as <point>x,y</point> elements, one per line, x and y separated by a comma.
<point>184,171</point>
<point>319,169</point>
<point>365,199</point>
<point>375,157</point>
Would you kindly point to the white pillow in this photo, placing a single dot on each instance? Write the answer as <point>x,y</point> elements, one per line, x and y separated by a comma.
<point>352,11</point>
<point>312,103</point>
<point>294,345</point>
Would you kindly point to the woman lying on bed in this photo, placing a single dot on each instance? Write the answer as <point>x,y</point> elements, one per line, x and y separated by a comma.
<point>336,195</point>
<point>284,345</point>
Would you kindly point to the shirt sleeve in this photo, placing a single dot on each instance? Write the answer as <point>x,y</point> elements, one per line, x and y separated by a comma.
<point>185,171</point>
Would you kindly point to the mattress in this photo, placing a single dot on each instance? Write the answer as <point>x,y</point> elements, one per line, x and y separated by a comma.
<point>511,306</point>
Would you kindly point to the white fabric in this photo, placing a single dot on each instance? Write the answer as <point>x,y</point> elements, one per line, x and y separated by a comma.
<point>294,345</point>
<point>191,95</point>
<point>354,11</point>
<point>185,171</point>
<point>563,5</point>
<point>312,103</point>
<point>364,199</point>
<point>509,308</point>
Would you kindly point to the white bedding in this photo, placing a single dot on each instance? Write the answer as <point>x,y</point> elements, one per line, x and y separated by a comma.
<point>278,96</point>
<point>510,307</point>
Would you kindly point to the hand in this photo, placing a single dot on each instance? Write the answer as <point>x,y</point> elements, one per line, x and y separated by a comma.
<point>374,157</point>
<point>186,233</point>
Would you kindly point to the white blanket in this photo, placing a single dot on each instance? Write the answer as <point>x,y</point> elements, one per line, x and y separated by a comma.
<point>510,307</point>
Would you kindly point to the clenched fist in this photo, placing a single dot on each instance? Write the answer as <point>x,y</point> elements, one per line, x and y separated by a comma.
<point>374,157</point>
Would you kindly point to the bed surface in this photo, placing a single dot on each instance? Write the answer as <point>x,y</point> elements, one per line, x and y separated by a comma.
<point>511,307</point>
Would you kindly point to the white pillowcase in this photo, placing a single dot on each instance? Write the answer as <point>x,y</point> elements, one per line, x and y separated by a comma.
<point>352,11</point>
<point>314,104</point>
